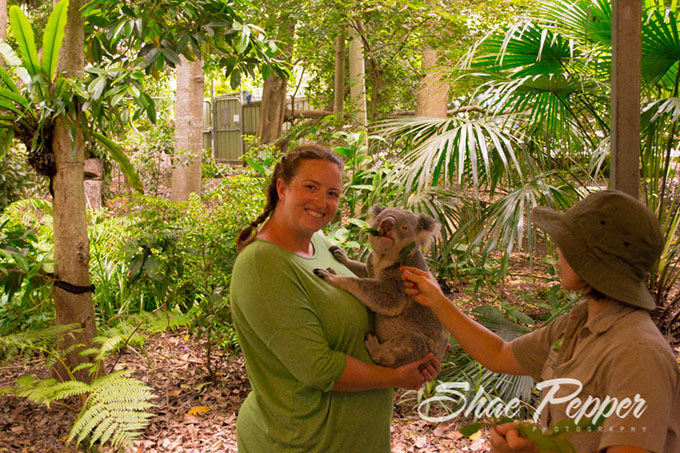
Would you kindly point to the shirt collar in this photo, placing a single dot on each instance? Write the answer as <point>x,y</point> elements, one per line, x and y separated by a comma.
<point>608,316</point>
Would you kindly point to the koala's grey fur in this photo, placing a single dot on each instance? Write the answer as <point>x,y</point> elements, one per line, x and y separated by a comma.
<point>405,331</point>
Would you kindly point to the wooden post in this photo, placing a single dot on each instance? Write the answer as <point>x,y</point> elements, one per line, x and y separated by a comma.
<point>625,96</point>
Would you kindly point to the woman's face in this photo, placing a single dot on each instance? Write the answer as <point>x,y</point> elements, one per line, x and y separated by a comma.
<point>569,279</point>
<point>311,198</point>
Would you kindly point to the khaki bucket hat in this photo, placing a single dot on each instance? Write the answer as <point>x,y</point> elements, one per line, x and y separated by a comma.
<point>611,240</point>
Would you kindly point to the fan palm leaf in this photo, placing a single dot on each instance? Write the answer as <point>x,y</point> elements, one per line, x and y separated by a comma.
<point>448,151</point>
<point>660,51</point>
<point>533,69</point>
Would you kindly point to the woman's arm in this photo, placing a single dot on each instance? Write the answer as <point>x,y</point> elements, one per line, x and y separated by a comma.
<point>359,376</point>
<point>482,344</point>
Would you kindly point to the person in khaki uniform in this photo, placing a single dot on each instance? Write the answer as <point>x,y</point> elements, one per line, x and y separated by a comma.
<point>606,355</point>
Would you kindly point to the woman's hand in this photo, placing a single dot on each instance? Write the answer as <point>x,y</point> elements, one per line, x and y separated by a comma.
<point>414,374</point>
<point>422,286</point>
<point>505,439</point>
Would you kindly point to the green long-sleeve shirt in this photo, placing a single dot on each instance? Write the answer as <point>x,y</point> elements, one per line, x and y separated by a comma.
<point>294,330</point>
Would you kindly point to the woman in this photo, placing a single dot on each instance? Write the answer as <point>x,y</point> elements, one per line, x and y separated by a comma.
<point>314,387</point>
<point>608,242</point>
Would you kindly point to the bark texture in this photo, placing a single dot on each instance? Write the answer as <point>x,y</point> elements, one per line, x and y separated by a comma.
<point>273,106</point>
<point>272,109</point>
<point>186,176</point>
<point>71,242</point>
<point>3,20</point>
<point>433,93</point>
<point>357,75</point>
<point>339,86</point>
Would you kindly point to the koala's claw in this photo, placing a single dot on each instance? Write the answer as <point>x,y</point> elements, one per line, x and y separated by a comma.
<point>324,273</point>
<point>338,253</point>
<point>372,344</point>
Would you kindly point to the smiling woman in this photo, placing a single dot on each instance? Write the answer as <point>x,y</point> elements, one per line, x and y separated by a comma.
<point>314,386</point>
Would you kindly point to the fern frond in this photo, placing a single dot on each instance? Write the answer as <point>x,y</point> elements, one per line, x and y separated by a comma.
<point>45,391</point>
<point>172,321</point>
<point>83,366</point>
<point>114,410</point>
<point>29,338</point>
<point>109,344</point>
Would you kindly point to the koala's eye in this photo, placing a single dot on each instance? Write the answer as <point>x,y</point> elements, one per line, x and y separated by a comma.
<point>404,227</point>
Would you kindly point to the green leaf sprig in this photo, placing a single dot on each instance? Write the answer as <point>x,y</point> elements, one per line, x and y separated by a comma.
<point>548,441</point>
<point>406,251</point>
<point>372,231</point>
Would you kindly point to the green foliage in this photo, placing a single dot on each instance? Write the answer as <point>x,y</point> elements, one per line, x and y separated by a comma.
<point>156,33</point>
<point>26,272</point>
<point>211,168</point>
<point>260,158</point>
<point>113,411</point>
<point>17,181</point>
<point>181,254</point>
<point>113,404</point>
<point>33,95</point>
<point>547,441</point>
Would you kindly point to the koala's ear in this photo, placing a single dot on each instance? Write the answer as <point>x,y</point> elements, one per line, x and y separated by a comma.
<point>427,223</point>
<point>374,211</point>
<point>426,230</point>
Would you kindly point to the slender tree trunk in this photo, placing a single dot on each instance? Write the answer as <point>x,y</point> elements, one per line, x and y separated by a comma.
<point>433,94</point>
<point>273,105</point>
<point>357,76</point>
<point>186,176</point>
<point>3,20</point>
<point>71,242</point>
<point>339,86</point>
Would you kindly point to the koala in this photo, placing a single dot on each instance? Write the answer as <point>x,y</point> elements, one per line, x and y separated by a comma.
<point>404,330</point>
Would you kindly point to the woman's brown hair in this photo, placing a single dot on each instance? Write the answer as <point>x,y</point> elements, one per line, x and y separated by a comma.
<point>286,168</point>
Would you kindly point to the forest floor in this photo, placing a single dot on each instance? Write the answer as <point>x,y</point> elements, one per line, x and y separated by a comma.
<point>195,415</point>
<point>191,414</point>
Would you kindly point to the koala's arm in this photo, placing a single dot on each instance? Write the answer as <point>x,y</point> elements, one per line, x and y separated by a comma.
<point>358,268</point>
<point>385,296</point>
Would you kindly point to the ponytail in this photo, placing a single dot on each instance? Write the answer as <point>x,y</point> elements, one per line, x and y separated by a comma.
<point>285,169</point>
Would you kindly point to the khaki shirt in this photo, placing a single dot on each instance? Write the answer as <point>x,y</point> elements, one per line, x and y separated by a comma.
<point>621,355</point>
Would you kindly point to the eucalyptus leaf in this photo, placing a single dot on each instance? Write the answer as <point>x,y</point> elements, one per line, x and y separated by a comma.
<point>406,251</point>
<point>373,232</point>
<point>469,430</point>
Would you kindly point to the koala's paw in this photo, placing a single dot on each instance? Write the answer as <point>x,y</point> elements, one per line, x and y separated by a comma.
<point>338,253</point>
<point>372,345</point>
<point>326,274</point>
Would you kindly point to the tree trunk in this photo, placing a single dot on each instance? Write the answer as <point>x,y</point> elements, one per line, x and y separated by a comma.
<point>357,76</point>
<point>433,94</point>
<point>273,106</point>
<point>272,109</point>
<point>3,20</point>
<point>186,176</point>
<point>339,86</point>
<point>71,242</point>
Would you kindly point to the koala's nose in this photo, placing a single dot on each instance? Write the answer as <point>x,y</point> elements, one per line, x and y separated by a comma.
<point>386,225</point>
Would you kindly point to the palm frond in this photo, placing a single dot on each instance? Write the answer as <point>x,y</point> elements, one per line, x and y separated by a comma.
<point>660,51</point>
<point>448,151</point>
<point>506,219</point>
